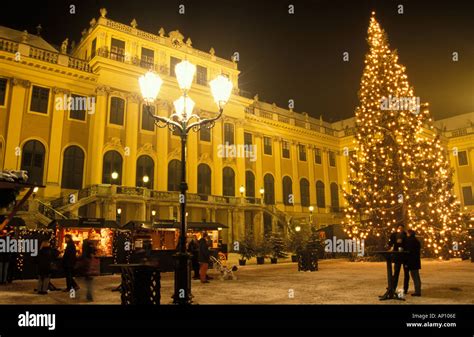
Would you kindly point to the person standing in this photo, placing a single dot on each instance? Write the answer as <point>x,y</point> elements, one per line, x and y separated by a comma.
<point>193,249</point>
<point>414,260</point>
<point>90,266</point>
<point>69,261</point>
<point>45,259</point>
<point>398,243</point>
<point>4,264</point>
<point>204,256</point>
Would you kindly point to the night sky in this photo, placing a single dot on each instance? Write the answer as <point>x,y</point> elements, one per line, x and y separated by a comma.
<point>296,56</point>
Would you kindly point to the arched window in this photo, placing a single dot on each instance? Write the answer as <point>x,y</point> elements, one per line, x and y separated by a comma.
<point>249,184</point>
<point>32,160</point>
<point>304,191</point>
<point>204,179</point>
<point>174,175</point>
<point>320,201</point>
<point>145,172</point>
<point>112,168</point>
<point>117,110</point>
<point>73,168</point>
<point>269,189</point>
<point>287,191</point>
<point>334,197</point>
<point>228,182</point>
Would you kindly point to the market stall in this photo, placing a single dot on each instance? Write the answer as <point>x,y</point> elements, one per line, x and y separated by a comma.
<point>98,230</point>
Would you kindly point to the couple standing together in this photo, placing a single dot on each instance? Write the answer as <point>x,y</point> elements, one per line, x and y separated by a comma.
<point>411,262</point>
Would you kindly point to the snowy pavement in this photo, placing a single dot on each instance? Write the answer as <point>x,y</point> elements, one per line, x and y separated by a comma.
<point>337,282</point>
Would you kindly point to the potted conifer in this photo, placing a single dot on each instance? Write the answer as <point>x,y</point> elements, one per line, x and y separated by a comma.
<point>277,247</point>
<point>246,248</point>
<point>262,250</point>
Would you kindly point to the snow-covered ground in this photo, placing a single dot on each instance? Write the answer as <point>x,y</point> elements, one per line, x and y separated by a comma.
<point>336,282</point>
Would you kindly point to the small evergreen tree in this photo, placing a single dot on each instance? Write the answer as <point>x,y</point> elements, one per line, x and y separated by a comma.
<point>277,246</point>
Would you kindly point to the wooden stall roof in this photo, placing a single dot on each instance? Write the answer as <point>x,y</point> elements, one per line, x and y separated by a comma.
<point>166,224</point>
<point>83,223</point>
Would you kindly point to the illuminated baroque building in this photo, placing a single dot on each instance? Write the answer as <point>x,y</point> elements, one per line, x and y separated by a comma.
<point>76,152</point>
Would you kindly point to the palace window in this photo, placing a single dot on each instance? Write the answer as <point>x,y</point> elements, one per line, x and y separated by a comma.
<point>267,145</point>
<point>39,99</point>
<point>117,110</point>
<point>204,179</point>
<point>320,199</point>
<point>269,189</point>
<point>174,175</point>
<point>201,75</point>
<point>32,161</point>
<point>304,191</point>
<point>93,48</point>
<point>73,168</point>
<point>117,50</point>
<point>332,159</point>
<point>287,191</point>
<point>467,196</point>
<point>228,134</point>
<point>228,182</point>
<point>285,149</point>
<point>148,58</point>
<point>148,123</point>
<point>173,62</point>
<point>249,184</point>
<point>302,152</point>
<point>205,134</point>
<point>334,197</point>
<point>112,168</point>
<point>317,156</point>
<point>3,90</point>
<point>78,110</point>
<point>247,138</point>
<point>462,158</point>
<point>145,172</point>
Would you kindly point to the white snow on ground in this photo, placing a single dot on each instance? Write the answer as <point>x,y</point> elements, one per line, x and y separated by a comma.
<point>337,282</point>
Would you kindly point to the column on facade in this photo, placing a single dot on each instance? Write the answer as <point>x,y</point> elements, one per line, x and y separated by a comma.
<point>278,179</point>
<point>15,117</point>
<point>258,224</point>
<point>96,137</point>
<point>327,184</point>
<point>312,181</point>
<point>161,171</point>
<point>239,141</point>
<point>131,140</point>
<point>258,164</point>
<point>230,232</point>
<point>217,142</point>
<point>295,177</point>
<point>55,142</point>
<point>110,209</point>
<point>171,213</point>
<point>238,223</point>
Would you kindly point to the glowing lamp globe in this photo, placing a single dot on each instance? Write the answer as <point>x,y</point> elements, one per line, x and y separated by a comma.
<point>185,71</point>
<point>146,179</point>
<point>242,189</point>
<point>150,85</point>
<point>184,107</point>
<point>221,88</point>
<point>114,175</point>
<point>311,208</point>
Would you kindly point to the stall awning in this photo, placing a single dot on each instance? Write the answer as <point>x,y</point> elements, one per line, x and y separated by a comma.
<point>167,224</point>
<point>83,223</point>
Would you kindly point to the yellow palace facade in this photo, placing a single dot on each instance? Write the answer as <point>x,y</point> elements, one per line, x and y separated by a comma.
<point>74,119</point>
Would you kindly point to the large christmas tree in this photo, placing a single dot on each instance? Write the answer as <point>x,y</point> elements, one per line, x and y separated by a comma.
<point>399,173</point>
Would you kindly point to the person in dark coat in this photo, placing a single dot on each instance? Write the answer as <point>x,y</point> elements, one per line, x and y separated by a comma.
<point>69,261</point>
<point>204,255</point>
<point>193,249</point>
<point>88,255</point>
<point>398,243</point>
<point>414,260</point>
<point>4,267</point>
<point>45,259</point>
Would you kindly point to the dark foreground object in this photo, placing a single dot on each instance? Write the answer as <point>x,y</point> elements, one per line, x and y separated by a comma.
<point>140,284</point>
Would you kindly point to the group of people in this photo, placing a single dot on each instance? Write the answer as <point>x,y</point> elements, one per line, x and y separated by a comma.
<point>200,255</point>
<point>70,264</point>
<point>410,260</point>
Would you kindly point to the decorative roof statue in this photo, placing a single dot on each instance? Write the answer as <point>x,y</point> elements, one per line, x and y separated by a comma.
<point>73,45</point>
<point>24,36</point>
<point>161,32</point>
<point>103,12</point>
<point>134,23</point>
<point>189,43</point>
<point>84,32</point>
<point>38,29</point>
<point>255,98</point>
<point>93,22</point>
<point>64,46</point>
<point>176,38</point>
<point>212,51</point>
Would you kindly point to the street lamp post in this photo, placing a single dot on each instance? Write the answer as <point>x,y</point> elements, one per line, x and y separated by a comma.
<point>184,121</point>
<point>262,191</point>
<point>311,209</point>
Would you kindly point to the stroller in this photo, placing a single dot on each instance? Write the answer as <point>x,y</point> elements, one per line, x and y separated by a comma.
<point>220,265</point>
